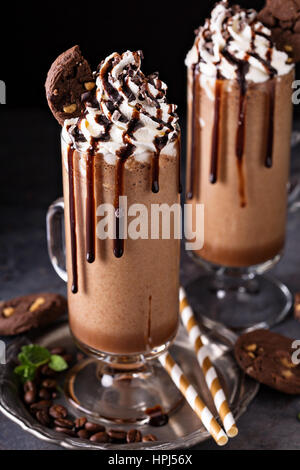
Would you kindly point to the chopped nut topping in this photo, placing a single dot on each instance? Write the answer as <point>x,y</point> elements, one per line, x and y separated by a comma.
<point>251,347</point>
<point>288,48</point>
<point>36,304</point>
<point>70,109</point>
<point>89,86</point>
<point>289,60</point>
<point>8,312</point>
<point>55,92</point>
<point>287,374</point>
<point>285,362</point>
<point>250,354</point>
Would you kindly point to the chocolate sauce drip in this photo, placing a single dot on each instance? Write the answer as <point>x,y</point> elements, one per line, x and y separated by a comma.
<point>266,63</point>
<point>122,155</point>
<point>90,206</point>
<point>270,138</point>
<point>73,240</point>
<point>216,133</point>
<point>103,121</point>
<point>110,90</point>
<point>242,70</point>
<point>159,143</point>
<point>190,193</point>
<point>272,95</point>
<point>179,168</point>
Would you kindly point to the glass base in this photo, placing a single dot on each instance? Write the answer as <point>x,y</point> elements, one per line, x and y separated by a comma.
<point>240,299</point>
<point>115,395</point>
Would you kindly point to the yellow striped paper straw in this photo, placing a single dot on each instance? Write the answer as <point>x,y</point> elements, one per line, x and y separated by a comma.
<point>193,399</point>
<point>206,365</point>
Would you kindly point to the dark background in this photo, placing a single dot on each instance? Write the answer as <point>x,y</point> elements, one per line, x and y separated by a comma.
<point>33,37</point>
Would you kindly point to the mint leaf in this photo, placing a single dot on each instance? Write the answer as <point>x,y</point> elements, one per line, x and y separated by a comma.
<point>23,358</point>
<point>34,354</point>
<point>57,363</point>
<point>26,372</point>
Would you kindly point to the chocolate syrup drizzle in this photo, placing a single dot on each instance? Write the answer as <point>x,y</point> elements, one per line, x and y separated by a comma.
<point>113,102</point>
<point>72,214</point>
<point>242,68</point>
<point>90,206</point>
<point>216,131</point>
<point>190,192</point>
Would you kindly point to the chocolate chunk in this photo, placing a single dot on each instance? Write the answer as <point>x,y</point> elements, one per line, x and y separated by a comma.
<point>30,311</point>
<point>267,357</point>
<point>68,78</point>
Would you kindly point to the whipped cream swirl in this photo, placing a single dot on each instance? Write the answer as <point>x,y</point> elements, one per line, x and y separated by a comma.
<point>233,35</point>
<point>126,114</point>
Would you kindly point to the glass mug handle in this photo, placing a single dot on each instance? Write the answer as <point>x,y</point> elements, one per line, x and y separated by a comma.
<point>56,239</point>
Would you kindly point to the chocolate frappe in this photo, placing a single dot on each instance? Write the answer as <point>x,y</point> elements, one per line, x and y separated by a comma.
<point>122,294</point>
<point>239,122</point>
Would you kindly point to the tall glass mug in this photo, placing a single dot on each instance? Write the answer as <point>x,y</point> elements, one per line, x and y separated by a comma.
<point>238,151</point>
<point>122,294</point>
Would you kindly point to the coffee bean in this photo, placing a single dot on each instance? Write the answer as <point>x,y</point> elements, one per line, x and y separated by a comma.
<point>157,417</point>
<point>99,437</point>
<point>30,397</point>
<point>64,423</point>
<point>58,351</point>
<point>80,422</point>
<point>58,411</point>
<point>94,427</point>
<point>83,434</point>
<point>47,372</point>
<point>134,436</point>
<point>149,438</point>
<point>68,358</point>
<point>158,420</point>
<point>29,386</point>
<point>41,405</point>
<point>67,431</point>
<point>44,394</point>
<point>43,417</point>
<point>79,356</point>
<point>117,435</point>
<point>49,384</point>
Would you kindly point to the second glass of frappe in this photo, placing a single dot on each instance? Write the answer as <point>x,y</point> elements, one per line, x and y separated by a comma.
<point>239,130</point>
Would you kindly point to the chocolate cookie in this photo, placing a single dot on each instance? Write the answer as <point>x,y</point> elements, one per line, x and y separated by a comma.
<point>283,18</point>
<point>68,78</point>
<point>267,357</point>
<point>30,311</point>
